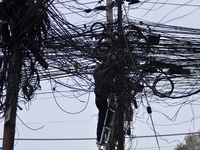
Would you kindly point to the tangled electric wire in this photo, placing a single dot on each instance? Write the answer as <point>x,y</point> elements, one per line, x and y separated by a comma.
<point>164,57</point>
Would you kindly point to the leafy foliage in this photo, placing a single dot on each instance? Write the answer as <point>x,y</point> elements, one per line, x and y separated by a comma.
<point>192,142</point>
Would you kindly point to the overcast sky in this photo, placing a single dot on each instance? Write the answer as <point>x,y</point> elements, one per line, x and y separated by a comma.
<point>47,121</point>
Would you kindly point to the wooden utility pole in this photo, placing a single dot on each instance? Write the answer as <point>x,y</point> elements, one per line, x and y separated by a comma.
<point>14,57</point>
<point>27,28</point>
<point>14,76</point>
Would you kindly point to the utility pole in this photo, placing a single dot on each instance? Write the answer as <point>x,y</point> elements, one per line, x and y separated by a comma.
<point>12,98</point>
<point>14,56</point>
<point>109,17</point>
<point>121,80</point>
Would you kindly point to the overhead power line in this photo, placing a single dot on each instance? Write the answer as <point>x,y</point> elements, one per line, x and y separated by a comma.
<point>155,147</point>
<point>86,139</point>
<point>176,4</point>
<point>164,135</point>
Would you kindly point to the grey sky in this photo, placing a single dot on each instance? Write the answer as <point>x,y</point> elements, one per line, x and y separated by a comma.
<point>42,112</point>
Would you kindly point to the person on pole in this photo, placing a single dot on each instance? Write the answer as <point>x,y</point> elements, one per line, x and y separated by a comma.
<point>103,76</point>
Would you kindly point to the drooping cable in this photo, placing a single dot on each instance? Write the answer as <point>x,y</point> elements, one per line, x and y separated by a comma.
<point>65,110</point>
<point>28,126</point>
<point>149,111</point>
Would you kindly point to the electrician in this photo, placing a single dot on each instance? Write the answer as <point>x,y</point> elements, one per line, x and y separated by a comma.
<point>103,76</point>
